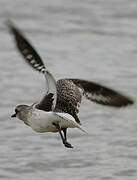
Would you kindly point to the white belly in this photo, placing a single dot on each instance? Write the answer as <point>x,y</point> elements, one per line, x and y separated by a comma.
<point>43,121</point>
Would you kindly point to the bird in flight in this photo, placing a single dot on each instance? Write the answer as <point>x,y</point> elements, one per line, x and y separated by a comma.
<point>69,91</point>
<point>47,120</point>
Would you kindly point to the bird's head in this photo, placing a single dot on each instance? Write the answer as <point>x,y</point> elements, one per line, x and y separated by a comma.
<point>21,112</point>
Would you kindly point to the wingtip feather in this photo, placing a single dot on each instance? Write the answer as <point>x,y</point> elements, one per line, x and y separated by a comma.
<point>102,94</point>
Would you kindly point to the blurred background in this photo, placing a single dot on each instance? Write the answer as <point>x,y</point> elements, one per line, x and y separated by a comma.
<point>91,39</point>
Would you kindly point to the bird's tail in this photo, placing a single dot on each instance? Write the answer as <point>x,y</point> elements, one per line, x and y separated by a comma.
<point>79,127</point>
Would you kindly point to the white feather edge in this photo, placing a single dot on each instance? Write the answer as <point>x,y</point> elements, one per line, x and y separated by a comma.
<point>99,97</point>
<point>51,86</point>
<point>68,117</point>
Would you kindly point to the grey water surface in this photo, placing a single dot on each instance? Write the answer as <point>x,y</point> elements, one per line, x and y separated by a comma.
<point>89,39</point>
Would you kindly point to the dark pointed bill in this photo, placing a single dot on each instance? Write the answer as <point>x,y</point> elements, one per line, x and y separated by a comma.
<point>13,115</point>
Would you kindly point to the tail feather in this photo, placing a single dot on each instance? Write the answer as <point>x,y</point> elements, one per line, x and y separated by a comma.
<point>68,119</point>
<point>79,127</point>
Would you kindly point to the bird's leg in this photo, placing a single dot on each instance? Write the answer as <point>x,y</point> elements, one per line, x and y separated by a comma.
<point>65,133</point>
<point>65,136</point>
<point>66,144</point>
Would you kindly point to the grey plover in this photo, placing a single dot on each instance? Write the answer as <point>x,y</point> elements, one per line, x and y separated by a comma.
<point>45,121</point>
<point>48,120</point>
<point>69,91</point>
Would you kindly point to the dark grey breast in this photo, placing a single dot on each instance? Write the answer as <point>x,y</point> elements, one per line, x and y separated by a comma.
<point>69,91</point>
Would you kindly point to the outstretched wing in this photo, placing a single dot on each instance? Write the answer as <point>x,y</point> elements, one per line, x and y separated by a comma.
<point>92,91</point>
<point>26,49</point>
<point>35,61</point>
<point>51,94</point>
<point>101,94</point>
<point>46,103</point>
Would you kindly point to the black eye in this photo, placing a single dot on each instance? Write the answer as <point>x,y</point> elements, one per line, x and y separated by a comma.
<point>16,111</point>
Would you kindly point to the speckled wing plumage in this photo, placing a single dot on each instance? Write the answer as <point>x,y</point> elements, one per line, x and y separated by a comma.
<point>68,98</point>
<point>101,94</point>
<point>69,90</point>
